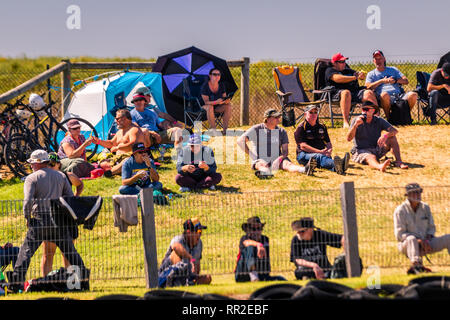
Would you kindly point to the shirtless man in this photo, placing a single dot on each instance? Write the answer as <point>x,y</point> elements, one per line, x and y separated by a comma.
<point>122,143</point>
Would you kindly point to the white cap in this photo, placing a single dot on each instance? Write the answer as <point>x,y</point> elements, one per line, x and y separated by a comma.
<point>35,101</point>
<point>38,156</point>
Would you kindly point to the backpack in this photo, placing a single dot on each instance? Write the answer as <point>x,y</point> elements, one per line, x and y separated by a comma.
<point>288,118</point>
<point>339,268</point>
<point>60,280</point>
<point>400,113</point>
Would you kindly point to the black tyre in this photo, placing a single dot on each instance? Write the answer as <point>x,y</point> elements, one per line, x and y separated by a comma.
<point>17,151</point>
<point>87,130</point>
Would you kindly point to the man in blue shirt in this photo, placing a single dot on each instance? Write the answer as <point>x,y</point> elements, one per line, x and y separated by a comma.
<point>387,82</point>
<point>139,172</point>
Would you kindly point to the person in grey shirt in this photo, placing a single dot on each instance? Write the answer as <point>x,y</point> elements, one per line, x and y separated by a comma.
<point>40,187</point>
<point>368,143</point>
<point>415,230</point>
<point>270,148</point>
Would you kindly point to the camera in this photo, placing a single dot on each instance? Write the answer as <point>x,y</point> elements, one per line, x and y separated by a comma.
<point>364,117</point>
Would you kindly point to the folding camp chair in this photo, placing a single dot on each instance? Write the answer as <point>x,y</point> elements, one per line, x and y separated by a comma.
<point>322,91</point>
<point>423,100</point>
<point>193,102</point>
<point>291,94</point>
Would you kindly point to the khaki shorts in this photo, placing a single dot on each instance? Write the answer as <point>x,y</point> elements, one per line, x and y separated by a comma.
<point>118,158</point>
<point>360,156</point>
<point>168,136</point>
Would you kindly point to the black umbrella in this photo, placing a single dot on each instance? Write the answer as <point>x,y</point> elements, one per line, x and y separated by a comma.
<point>190,63</point>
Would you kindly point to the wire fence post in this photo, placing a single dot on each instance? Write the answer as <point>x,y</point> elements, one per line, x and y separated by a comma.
<point>245,92</point>
<point>348,205</point>
<point>149,237</point>
<point>66,87</point>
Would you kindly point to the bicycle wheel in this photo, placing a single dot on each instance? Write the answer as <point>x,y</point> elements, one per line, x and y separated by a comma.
<point>18,150</point>
<point>87,130</point>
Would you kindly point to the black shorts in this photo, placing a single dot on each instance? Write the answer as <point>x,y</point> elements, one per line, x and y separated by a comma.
<point>356,95</point>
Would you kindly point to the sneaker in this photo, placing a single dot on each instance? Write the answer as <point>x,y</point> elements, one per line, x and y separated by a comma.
<point>338,165</point>
<point>253,276</point>
<point>185,189</point>
<point>346,161</point>
<point>417,269</point>
<point>263,174</point>
<point>212,188</point>
<point>310,166</point>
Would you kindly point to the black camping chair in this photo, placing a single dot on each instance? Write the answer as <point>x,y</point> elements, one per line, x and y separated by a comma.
<point>291,94</point>
<point>193,102</point>
<point>423,100</point>
<point>322,91</point>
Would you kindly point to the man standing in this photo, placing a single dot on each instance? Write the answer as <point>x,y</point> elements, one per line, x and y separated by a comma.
<point>387,82</point>
<point>40,187</point>
<point>345,82</point>
<point>270,147</point>
<point>414,229</point>
<point>196,166</point>
<point>184,255</point>
<point>313,141</point>
<point>139,172</point>
<point>439,89</point>
<point>368,143</point>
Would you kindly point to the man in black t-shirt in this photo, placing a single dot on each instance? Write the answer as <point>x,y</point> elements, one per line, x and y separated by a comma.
<point>313,141</point>
<point>309,249</point>
<point>347,89</point>
<point>439,89</point>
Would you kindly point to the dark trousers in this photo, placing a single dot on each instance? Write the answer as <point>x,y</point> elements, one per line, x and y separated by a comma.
<point>438,100</point>
<point>201,183</point>
<point>38,232</point>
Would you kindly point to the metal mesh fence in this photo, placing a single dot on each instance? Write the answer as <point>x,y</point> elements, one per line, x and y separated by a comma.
<point>111,254</point>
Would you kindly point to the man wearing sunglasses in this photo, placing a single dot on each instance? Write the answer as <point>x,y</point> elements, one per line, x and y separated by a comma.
<point>369,145</point>
<point>254,258</point>
<point>139,172</point>
<point>183,257</point>
<point>345,82</point>
<point>439,89</point>
<point>313,141</point>
<point>309,249</point>
<point>414,229</point>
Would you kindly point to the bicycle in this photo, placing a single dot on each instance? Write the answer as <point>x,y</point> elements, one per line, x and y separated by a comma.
<point>42,136</point>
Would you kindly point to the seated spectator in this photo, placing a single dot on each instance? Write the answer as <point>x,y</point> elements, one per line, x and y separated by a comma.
<point>122,142</point>
<point>139,172</point>
<point>8,254</point>
<point>213,93</point>
<point>313,141</point>
<point>415,230</point>
<point>368,143</point>
<point>183,257</point>
<point>72,151</point>
<point>270,148</point>
<point>439,89</point>
<point>254,258</point>
<point>196,166</point>
<point>347,89</point>
<point>386,82</point>
<point>148,119</point>
<point>74,180</point>
<point>309,249</point>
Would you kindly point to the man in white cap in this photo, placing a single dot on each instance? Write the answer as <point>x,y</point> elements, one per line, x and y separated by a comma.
<point>39,188</point>
<point>414,229</point>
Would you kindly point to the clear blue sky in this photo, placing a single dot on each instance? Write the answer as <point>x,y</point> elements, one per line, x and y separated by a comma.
<point>259,29</point>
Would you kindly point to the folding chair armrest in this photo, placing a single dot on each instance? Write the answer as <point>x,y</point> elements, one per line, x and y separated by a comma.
<point>283,94</point>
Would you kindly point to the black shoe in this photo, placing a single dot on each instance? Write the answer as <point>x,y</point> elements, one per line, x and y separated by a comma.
<point>338,165</point>
<point>346,161</point>
<point>108,174</point>
<point>417,269</point>
<point>310,166</point>
<point>263,175</point>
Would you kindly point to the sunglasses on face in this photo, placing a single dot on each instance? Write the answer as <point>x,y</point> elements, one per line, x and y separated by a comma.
<point>313,112</point>
<point>77,128</point>
<point>340,61</point>
<point>117,119</point>
<point>215,74</point>
<point>255,228</point>
<point>366,109</point>
<point>302,231</point>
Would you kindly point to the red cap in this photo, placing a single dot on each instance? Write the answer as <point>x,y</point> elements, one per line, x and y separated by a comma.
<point>338,57</point>
<point>377,52</point>
<point>138,97</point>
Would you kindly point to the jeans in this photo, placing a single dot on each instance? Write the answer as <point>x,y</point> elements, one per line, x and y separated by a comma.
<point>131,190</point>
<point>438,100</point>
<point>322,160</point>
<point>247,261</point>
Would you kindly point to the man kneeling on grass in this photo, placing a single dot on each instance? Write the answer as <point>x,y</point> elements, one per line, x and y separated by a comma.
<point>181,264</point>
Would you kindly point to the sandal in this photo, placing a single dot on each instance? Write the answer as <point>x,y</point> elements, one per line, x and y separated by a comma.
<point>401,165</point>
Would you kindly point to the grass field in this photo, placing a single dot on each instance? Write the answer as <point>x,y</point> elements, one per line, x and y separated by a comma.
<point>424,148</point>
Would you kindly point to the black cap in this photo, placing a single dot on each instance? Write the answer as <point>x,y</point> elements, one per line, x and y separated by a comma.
<point>413,187</point>
<point>139,147</point>
<point>446,69</point>
<point>303,223</point>
<point>193,224</point>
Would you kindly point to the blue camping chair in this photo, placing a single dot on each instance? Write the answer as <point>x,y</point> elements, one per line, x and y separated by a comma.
<point>193,102</point>
<point>423,100</point>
